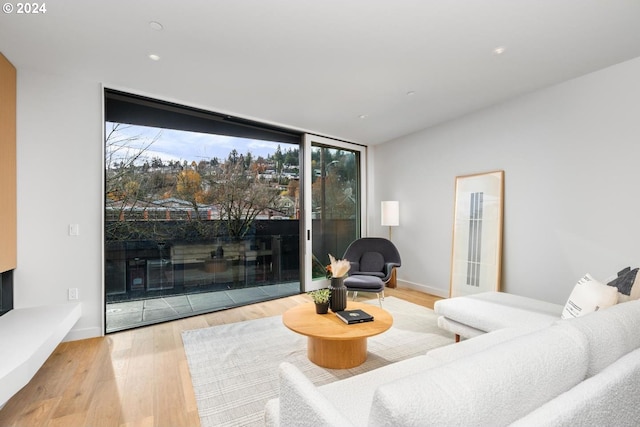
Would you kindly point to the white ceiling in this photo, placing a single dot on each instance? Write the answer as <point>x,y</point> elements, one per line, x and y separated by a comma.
<point>318,65</point>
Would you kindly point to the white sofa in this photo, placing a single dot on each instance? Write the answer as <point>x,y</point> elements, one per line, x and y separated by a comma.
<point>582,371</point>
<point>473,315</point>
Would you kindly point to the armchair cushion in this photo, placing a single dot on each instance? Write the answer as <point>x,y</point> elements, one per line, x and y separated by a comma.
<point>372,262</point>
<point>364,283</point>
<point>368,273</point>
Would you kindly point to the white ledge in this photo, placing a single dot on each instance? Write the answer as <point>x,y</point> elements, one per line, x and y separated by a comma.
<point>28,336</point>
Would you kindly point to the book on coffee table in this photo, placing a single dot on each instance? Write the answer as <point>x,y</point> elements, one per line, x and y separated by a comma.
<point>354,316</point>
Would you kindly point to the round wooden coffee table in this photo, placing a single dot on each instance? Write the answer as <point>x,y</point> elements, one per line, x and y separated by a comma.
<point>331,342</point>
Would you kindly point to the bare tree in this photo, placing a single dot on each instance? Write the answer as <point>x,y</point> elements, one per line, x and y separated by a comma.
<point>126,184</point>
<point>240,197</point>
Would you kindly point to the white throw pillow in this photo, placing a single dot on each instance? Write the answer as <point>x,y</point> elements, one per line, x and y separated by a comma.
<point>588,296</point>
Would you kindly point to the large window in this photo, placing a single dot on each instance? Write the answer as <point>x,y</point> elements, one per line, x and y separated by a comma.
<point>201,211</point>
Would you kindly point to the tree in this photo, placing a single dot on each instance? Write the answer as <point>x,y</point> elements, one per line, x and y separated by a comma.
<point>331,192</point>
<point>189,187</point>
<point>156,163</point>
<point>259,166</point>
<point>278,158</point>
<point>291,157</point>
<point>240,197</point>
<point>293,188</point>
<point>126,184</point>
<point>248,160</point>
<point>233,157</point>
<point>122,153</point>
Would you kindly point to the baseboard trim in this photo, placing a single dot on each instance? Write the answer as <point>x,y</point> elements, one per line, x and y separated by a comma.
<point>81,334</point>
<point>442,293</point>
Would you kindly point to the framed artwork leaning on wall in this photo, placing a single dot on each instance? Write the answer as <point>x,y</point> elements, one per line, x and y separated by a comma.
<point>476,254</point>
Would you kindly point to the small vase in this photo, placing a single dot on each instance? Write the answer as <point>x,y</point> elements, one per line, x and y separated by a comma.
<point>322,307</point>
<point>338,298</point>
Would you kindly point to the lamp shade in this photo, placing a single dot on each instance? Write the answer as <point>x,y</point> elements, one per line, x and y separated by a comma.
<point>390,213</point>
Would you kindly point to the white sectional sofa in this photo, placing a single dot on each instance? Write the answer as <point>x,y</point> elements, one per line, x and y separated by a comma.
<point>582,371</point>
<point>473,315</point>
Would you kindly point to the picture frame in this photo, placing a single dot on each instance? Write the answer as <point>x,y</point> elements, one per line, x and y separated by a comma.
<point>476,253</point>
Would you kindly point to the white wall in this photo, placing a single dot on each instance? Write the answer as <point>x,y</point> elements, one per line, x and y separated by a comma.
<point>59,163</point>
<point>570,155</point>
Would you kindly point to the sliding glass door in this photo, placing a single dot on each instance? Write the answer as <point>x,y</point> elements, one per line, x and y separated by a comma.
<point>204,212</point>
<point>334,203</point>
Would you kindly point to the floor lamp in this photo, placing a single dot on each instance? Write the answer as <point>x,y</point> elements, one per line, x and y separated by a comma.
<point>390,214</point>
<point>391,218</point>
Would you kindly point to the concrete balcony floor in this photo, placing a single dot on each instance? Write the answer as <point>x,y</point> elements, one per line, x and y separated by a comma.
<point>133,314</point>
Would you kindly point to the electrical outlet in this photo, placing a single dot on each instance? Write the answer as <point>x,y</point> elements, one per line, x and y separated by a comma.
<point>73,294</point>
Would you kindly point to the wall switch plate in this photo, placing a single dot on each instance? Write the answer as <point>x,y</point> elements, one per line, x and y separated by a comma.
<point>73,294</point>
<point>74,229</point>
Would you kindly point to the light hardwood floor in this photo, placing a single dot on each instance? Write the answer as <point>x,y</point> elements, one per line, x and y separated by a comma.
<point>134,378</point>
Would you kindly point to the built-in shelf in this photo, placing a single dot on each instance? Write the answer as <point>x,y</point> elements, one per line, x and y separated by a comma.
<point>28,336</point>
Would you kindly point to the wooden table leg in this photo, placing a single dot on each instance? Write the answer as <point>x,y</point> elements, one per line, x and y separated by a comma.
<point>337,354</point>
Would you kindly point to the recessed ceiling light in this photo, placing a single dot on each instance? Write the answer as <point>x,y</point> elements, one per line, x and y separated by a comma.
<point>156,26</point>
<point>499,50</point>
<point>362,116</point>
<point>154,57</point>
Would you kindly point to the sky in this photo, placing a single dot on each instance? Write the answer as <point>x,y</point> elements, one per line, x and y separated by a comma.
<point>171,144</point>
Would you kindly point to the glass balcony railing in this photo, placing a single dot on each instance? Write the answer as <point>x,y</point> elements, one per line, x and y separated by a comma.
<point>181,262</point>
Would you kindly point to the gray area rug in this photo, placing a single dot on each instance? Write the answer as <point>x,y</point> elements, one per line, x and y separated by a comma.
<point>234,367</point>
